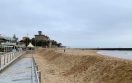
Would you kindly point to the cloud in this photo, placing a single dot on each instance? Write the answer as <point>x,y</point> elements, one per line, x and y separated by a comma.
<point>75,23</point>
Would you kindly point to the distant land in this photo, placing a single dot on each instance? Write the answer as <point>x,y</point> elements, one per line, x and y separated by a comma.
<point>106,48</point>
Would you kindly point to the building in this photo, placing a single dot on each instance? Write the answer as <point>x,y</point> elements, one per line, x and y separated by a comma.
<point>2,39</point>
<point>24,42</point>
<point>41,37</point>
<point>7,43</point>
<point>24,38</point>
<point>8,40</point>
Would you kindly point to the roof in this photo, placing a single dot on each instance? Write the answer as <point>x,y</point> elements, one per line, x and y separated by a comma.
<point>6,38</point>
<point>1,37</point>
<point>30,45</point>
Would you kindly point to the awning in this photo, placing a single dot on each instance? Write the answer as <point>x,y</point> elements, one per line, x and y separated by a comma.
<point>30,45</point>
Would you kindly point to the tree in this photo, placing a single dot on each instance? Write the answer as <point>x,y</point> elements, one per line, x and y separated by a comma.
<point>27,41</point>
<point>33,41</point>
<point>59,44</point>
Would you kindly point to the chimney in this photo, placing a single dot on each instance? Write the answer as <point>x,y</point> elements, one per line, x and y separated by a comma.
<point>40,32</point>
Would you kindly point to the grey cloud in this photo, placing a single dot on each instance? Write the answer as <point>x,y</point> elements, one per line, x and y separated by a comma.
<point>75,23</point>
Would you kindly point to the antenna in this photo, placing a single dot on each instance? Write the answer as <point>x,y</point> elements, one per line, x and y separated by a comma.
<point>27,34</point>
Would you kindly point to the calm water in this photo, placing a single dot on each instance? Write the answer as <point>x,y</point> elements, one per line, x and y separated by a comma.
<point>119,54</point>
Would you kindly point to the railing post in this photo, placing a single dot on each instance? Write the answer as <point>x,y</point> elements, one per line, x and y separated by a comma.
<point>39,74</point>
<point>0,61</point>
<point>4,58</point>
<point>13,54</point>
<point>36,67</point>
<point>10,56</point>
<point>7,58</point>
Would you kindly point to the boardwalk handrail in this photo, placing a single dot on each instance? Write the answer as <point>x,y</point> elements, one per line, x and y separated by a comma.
<point>9,58</point>
<point>36,71</point>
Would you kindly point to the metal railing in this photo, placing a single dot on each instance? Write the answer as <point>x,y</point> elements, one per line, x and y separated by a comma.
<point>36,72</point>
<point>7,58</point>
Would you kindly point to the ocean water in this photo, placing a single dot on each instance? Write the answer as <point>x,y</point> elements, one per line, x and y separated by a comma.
<point>118,54</point>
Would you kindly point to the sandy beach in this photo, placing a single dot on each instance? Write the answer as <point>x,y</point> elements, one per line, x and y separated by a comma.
<point>81,66</point>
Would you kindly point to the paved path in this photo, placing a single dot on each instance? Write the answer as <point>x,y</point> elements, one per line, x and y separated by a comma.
<point>20,72</point>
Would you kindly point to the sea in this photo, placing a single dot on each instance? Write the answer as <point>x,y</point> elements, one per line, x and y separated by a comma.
<point>117,53</point>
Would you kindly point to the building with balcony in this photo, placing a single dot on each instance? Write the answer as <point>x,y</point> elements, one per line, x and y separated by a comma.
<point>41,37</point>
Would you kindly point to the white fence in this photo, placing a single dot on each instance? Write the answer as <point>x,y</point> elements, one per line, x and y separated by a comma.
<point>7,58</point>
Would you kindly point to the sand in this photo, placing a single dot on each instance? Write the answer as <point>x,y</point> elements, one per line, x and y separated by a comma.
<point>81,66</point>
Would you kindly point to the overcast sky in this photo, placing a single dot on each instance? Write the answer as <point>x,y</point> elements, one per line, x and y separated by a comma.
<point>74,23</point>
